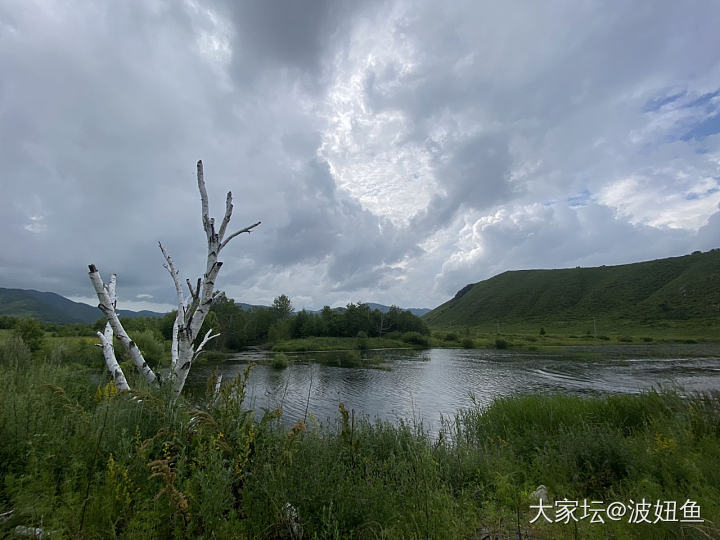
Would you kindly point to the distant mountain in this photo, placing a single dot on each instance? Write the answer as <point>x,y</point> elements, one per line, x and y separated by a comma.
<point>51,307</point>
<point>384,309</point>
<point>249,307</point>
<point>674,289</point>
<point>380,307</point>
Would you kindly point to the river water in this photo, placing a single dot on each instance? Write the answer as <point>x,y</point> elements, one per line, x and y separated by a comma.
<point>425,385</point>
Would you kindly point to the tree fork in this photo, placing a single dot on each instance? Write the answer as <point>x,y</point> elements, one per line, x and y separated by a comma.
<point>191,311</point>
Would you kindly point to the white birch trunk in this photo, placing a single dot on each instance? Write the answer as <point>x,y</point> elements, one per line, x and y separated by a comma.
<point>201,298</point>
<point>107,306</point>
<point>110,360</point>
<point>174,349</point>
<point>191,312</point>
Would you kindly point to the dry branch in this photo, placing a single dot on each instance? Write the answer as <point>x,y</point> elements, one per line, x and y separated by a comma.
<point>191,311</point>
<point>202,295</point>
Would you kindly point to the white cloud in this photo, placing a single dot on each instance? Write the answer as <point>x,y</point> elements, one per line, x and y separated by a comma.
<point>685,203</point>
<point>36,225</point>
<point>368,150</point>
<point>394,151</point>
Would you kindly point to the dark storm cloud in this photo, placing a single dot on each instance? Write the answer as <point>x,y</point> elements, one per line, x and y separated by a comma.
<point>475,175</point>
<point>298,37</point>
<point>319,224</point>
<point>322,117</point>
<point>292,34</point>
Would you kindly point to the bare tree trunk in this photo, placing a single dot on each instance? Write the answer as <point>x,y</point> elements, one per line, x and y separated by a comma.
<point>191,310</point>
<point>190,317</point>
<point>110,360</point>
<point>108,300</point>
<point>381,327</point>
<point>106,341</point>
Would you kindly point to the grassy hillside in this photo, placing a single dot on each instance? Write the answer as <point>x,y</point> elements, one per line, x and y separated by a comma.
<point>678,291</point>
<point>51,307</point>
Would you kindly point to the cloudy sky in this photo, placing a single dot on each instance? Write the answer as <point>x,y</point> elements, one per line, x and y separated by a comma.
<point>394,151</point>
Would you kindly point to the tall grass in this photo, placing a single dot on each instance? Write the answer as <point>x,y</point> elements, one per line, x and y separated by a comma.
<point>81,460</point>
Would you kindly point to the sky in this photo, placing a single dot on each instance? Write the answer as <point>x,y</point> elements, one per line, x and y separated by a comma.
<point>394,151</point>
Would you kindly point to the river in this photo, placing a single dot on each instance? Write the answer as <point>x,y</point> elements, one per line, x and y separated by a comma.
<point>427,385</point>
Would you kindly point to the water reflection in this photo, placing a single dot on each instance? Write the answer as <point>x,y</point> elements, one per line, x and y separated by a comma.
<point>424,386</point>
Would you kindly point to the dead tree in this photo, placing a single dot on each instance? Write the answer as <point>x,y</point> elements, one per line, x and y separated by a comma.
<point>191,309</point>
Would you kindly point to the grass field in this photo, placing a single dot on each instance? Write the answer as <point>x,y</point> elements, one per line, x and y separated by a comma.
<point>558,334</point>
<point>78,459</point>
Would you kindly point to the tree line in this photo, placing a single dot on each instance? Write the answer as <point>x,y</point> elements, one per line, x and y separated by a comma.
<point>241,327</point>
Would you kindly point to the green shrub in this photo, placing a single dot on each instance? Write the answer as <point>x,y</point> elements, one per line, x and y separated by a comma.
<point>14,352</point>
<point>280,361</point>
<point>467,343</point>
<point>350,359</point>
<point>451,336</point>
<point>279,331</point>
<point>8,321</point>
<point>31,332</point>
<point>542,331</point>
<point>604,338</point>
<point>151,345</point>
<point>647,339</point>
<point>362,340</point>
<point>416,338</point>
<point>625,339</point>
<point>501,344</point>
<point>78,352</point>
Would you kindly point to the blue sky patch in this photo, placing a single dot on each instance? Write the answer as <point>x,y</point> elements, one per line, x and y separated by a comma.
<point>696,196</point>
<point>709,126</point>
<point>702,100</point>
<point>659,102</point>
<point>581,199</point>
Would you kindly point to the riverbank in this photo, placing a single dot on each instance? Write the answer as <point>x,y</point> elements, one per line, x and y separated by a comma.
<point>568,333</point>
<point>335,344</point>
<point>81,460</point>
<point>520,337</point>
<point>520,340</point>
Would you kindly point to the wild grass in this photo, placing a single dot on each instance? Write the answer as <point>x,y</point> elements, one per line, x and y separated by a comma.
<point>347,359</point>
<point>280,361</point>
<point>79,459</point>
<point>526,335</point>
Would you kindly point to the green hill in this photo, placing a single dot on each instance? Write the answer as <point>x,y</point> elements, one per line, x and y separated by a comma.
<point>51,307</point>
<point>678,291</point>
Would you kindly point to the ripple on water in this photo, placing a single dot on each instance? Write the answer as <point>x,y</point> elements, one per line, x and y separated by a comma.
<point>417,389</point>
